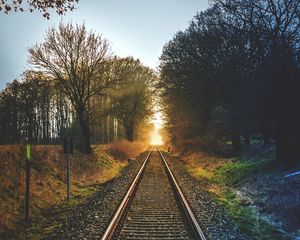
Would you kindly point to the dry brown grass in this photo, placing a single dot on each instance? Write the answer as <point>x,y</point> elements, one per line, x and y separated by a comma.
<point>124,149</point>
<point>204,161</point>
<point>48,176</point>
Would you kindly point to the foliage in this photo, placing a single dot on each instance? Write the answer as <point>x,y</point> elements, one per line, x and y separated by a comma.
<point>48,179</point>
<point>77,60</point>
<point>25,109</point>
<point>247,219</point>
<point>235,172</point>
<point>234,73</point>
<point>124,149</point>
<point>43,6</point>
<point>220,176</point>
<point>76,88</point>
<point>131,104</point>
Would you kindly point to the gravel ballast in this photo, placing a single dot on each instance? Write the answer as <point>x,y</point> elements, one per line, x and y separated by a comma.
<point>90,219</point>
<point>212,217</point>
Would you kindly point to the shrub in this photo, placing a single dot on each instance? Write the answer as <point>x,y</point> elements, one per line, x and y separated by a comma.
<point>124,149</point>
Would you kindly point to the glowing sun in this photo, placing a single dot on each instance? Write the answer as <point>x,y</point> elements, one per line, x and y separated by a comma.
<point>156,138</point>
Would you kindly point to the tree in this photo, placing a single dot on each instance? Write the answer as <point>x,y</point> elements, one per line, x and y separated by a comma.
<point>131,109</point>
<point>131,99</point>
<point>236,68</point>
<point>43,6</point>
<point>192,76</point>
<point>273,29</point>
<point>78,61</point>
<point>35,98</point>
<point>25,106</point>
<point>10,119</point>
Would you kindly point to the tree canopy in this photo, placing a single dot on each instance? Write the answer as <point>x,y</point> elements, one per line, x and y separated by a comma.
<point>237,68</point>
<point>76,88</point>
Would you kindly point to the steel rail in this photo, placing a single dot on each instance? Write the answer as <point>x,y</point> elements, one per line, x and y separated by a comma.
<point>116,218</point>
<point>198,234</point>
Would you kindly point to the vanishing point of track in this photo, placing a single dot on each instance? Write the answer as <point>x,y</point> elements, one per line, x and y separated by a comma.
<point>154,207</point>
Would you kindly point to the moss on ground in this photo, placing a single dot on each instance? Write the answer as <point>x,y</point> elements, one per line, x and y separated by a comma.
<point>247,218</point>
<point>198,172</point>
<point>235,172</point>
<point>220,181</point>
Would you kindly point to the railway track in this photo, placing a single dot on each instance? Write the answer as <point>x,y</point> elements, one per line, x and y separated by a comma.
<point>154,207</point>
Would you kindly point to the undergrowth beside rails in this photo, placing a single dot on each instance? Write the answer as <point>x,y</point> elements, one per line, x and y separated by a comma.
<point>48,185</point>
<point>222,177</point>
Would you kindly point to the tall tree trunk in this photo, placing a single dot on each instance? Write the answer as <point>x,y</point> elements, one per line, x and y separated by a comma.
<point>279,146</point>
<point>115,129</point>
<point>235,131</point>
<point>236,138</point>
<point>86,132</point>
<point>247,137</point>
<point>15,124</point>
<point>129,132</point>
<point>48,127</point>
<point>287,141</point>
<point>266,133</point>
<point>44,129</point>
<point>108,129</point>
<point>30,129</point>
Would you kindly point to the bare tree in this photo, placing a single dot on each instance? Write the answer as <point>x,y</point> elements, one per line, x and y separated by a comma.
<point>79,62</point>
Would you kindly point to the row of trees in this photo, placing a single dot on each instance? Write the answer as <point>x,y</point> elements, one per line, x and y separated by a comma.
<point>235,73</point>
<point>76,86</point>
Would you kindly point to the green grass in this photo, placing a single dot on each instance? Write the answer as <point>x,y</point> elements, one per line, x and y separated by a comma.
<point>248,219</point>
<point>199,173</point>
<point>48,190</point>
<point>229,174</point>
<point>104,162</point>
<point>235,172</point>
<point>45,220</point>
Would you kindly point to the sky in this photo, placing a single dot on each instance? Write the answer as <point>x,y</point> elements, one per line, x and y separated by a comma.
<point>138,28</point>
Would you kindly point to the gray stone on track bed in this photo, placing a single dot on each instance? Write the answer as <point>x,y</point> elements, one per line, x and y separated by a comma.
<point>211,217</point>
<point>90,219</point>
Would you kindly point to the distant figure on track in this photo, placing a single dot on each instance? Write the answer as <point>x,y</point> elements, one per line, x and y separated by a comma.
<point>169,149</point>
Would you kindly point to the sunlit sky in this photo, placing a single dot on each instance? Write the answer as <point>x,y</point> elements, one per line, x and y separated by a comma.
<point>157,120</point>
<point>139,28</point>
<point>156,138</point>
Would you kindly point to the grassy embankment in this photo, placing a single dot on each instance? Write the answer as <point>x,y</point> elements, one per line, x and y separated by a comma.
<point>48,186</point>
<point>222,178</point>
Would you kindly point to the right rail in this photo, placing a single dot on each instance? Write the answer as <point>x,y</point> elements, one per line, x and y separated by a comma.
<point>183,202</point>
<point>153,214</point>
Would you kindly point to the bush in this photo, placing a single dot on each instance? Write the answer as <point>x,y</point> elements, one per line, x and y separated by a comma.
<point>48,174</point>
<point>124,149</point>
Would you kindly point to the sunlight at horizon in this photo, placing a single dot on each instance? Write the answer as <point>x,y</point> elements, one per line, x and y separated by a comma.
<point>156,138</point>
<point>158,123</point>
<point>157,120</point>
